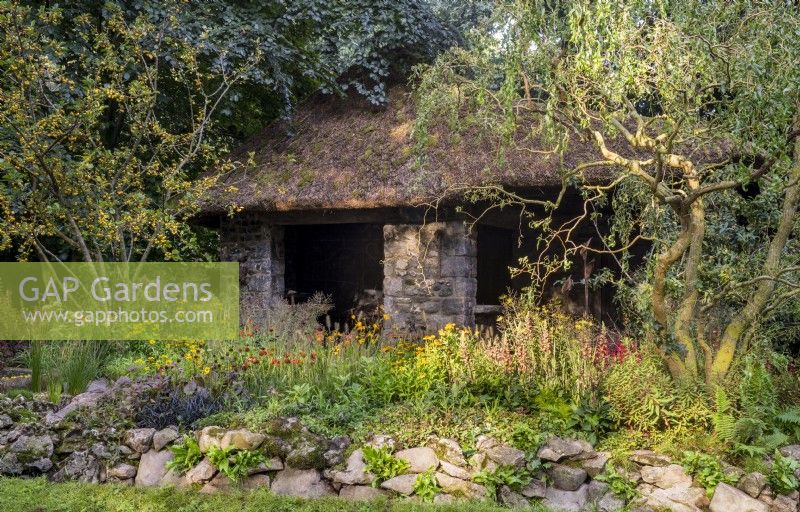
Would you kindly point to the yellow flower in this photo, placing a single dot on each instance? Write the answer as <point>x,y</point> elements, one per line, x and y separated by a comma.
<point>206,370</point>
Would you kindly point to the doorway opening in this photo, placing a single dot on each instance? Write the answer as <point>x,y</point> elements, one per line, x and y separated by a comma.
<point>342,261</point>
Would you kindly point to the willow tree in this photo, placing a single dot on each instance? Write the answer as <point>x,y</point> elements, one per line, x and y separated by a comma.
<point>687,115</point>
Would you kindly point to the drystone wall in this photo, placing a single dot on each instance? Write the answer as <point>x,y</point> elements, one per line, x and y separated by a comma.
<point>38,438</point>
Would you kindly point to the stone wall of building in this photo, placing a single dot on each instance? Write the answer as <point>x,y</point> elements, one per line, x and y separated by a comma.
<point>259,248</point>
<point>430,275</point>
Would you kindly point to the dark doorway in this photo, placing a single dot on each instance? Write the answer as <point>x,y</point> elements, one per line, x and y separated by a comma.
<point>495,255</point>
<point>344,261</point>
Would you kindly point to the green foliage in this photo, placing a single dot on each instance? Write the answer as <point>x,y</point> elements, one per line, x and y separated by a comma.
<point>187,455</point>
<point>659,77</point>
<point>504,475</point>
<point>54,392</point>
<point>591,420</point>
<point>622,486</point>
<point>426,486</point>
<point>526,438</point>
<point>36,364</point>
<point>66,366</point>
<point>757,397</point>
<point>84,118</point>
<point>723,419</point>
<point>781,477</point>
<point>234,463</point>
<point>644,408</point>
<point>368,41</point>
<point>382,464</point>
<point>31,495</point>
<point>706,470</point>
<point>789,422</point>
<point>761,427</point>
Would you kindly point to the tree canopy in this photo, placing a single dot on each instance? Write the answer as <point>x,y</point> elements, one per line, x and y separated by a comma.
<point>694,108</point>
<point>111,111</point>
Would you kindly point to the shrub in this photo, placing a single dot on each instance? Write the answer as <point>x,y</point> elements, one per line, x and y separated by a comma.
<point>642,396</point>
<point>547,347</point>
<point>171,406</point>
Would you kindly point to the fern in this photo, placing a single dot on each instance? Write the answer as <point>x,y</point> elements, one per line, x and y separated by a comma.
<point>724,422</point>
<point>187,455</point>
<point>749,430</point>
<point>757,395</point>
<point>789,421</point>
<point>749,450</point>
<point>775,440</point>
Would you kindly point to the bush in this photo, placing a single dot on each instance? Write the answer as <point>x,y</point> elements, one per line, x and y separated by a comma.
<point>642,396</point>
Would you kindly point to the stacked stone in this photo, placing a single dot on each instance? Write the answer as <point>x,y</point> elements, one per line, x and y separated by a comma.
<point>37,438</point>
<point>258,247</point>
<point>430,275</point>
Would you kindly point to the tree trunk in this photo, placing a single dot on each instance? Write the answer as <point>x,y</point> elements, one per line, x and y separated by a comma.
<point>758,301</point>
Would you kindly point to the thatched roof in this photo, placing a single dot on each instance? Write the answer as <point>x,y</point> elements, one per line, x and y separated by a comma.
<point>345,154</point>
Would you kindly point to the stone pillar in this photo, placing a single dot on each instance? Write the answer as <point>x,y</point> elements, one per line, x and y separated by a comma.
<point>259,249</point>
<point>430,275</point>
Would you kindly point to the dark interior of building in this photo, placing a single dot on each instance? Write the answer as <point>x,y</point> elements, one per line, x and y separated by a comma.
<point>495,255</point>
<point>343,261</point>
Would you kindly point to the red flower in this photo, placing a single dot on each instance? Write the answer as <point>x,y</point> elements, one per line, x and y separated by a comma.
<point>296,361</point>
<point>275,362</point>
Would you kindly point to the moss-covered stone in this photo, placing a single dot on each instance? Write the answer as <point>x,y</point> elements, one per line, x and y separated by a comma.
<point>307,453</point>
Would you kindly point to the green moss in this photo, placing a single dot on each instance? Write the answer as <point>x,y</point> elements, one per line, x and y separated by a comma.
<point>367,154</point>
<point>305,177</point>
<point>23,416</point>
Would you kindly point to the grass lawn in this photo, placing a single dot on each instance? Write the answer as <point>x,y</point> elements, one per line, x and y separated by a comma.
<point>39,495</point>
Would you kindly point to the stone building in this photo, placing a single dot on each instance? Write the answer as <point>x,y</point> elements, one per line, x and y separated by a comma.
<point>341,203</point>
